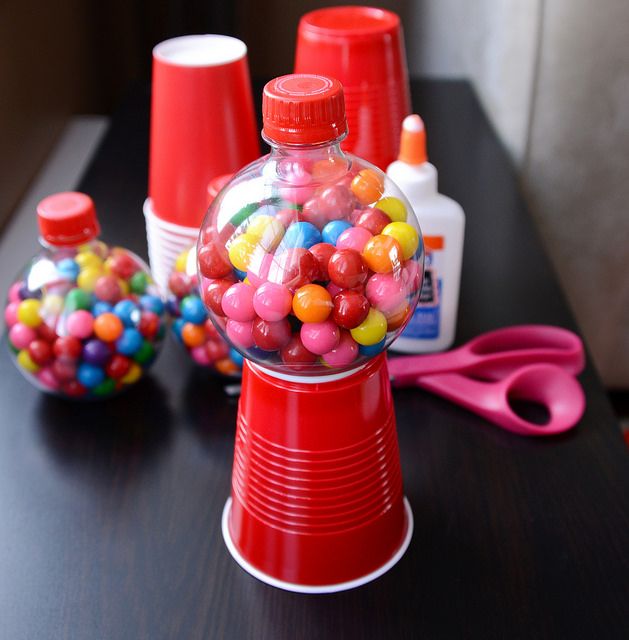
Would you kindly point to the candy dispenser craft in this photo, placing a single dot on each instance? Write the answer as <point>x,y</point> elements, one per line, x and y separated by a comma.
<point>84,320</point>
<point>310,263</point>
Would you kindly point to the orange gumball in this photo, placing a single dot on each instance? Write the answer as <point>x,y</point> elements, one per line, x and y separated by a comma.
<point>397,317</point>
<point>367,186</point>
<point>383,254</point>
<point>108,327</point>
<point>226,367</point>
<point>193,335</point>
<point>312,303</point>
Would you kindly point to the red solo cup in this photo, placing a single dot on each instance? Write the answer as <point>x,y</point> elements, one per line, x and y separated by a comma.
<point>317,503</point>
<point>202,122</point>
<point>363,47</point>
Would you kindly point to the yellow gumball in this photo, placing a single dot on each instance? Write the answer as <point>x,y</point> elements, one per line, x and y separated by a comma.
<point>124,287</point>
<point>241,250</point>
<point>87,278</point>
<point>26,362</point>
<point>133,375</point>
<point>393,207</point>
<point>372,330</point>
<point>88,259</point>
<point>28,312</point>
<point>267,231</point>
<point>181,262</point>
<point>406,235</point>
<point>52,306</point>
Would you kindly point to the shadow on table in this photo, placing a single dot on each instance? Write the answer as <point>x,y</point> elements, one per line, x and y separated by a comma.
<point>126,431</point>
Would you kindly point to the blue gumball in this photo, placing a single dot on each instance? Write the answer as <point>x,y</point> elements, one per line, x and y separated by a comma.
<point>89,375</point>
<point>177,327</point>
<point>101,307</point>
<point>68,269</point>
<point>333,230</point>
<point>301,234</point>
<point>129,342</point>
<point>193,310</point>
<point>128,312</point>
<point>236,357</point>
<point>152,303</point>
<point>371,350</point>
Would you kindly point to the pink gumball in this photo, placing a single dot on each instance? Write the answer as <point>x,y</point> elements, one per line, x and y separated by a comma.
<point>311,213</point>
<point>200,356</point>
<point>295,173</point>
<point>353,238</point>
<point>345,352</point>
<point>47,378</point>
<point>336,202</point>
<point>10,313</point>
<point>237,302</point>
<point>320,337</point>
<point>333,289</point>
<point>258,271</point>
<point>240,333</point>
<point>80,324</point>
<point>385,292</point>
<point>410,277</point>
<point>287,217</point>
<point>272,301</point>
<point>21,336</point>
<point>14,292</point>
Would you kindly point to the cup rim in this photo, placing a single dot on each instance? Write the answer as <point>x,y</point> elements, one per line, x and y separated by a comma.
<point>201,51</point>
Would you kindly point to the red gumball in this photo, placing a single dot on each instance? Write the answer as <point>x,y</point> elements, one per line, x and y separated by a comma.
<point>271,336</point>
<point>347,269</point>
<point>294,353</point>
<point>46,332</point>
<point>322,252</point>
<point>373,220</point>
<point>214,260</point>
<point>64,370</point>
<point>67,347</point>
<point>122,265</point>
<point>179,283</point>
<point>287,217</point>
<point>149,324</point>
<point>294,268</point>
<point>213,295</point>
<point>216,350</point>
<point>211,235</point>
<point>108,289</point>
<point>40,351</point>
<point>210,330</point>
<point>118,366</point>
<point>350,309</point>
<point>73,388</point>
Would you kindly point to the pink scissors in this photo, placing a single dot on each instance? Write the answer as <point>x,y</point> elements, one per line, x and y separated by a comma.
<point>535,363</point>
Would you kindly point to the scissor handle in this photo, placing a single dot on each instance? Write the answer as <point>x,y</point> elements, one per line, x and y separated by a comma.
<point>544,384</point>
<point>496,354</point>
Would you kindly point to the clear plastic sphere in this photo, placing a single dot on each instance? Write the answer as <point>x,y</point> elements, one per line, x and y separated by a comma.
<point>310,261</point>
<point>191,325</point>
<point>85,321</point>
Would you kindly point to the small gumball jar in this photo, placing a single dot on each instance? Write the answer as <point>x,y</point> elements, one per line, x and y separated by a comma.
<point>191,325</point>
<point>310,262</point>
<point>83,319</point>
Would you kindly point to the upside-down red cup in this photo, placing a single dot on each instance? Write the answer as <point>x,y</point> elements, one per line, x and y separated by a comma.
<point>363,47</point>
<point>202,122</point>
<point>317,503</point>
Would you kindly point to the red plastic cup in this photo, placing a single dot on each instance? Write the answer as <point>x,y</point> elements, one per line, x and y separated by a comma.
<point>317,503</point>
<point>202,122</point>
<point>363,47</point>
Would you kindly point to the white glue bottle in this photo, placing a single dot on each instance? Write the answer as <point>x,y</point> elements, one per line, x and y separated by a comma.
<point>442,222</point>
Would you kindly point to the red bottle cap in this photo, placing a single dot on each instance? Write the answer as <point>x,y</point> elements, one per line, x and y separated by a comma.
<point>67,218</point>
<point>303,109</point>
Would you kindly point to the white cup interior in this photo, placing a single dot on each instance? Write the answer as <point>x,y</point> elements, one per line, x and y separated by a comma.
<point>208,50</point>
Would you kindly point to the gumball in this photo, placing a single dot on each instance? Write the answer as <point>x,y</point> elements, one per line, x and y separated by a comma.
<point>236,357</point>
<point>311,214</point>
<point>350,309</point>
<point>87,259</point>
<point>385,291</point>
<point>79,324</point>
<point>192,335</point>
<point>47,378</point>
<point>152,303</point>
<point>139,281</point>
<point>367,186</point>
<point>293,268</point>
<point>330,168</point>
<point>226,367</point>
<point>374,220</point>
<point>344,353</point>
<point>335,202</point>
<point>287,216</point>
<point>133,375</point>
<point>89,375</point>
<point>88,278</point>
<point>320,337</point>
<point>129,342</point>
<point>27,294</point>
<point>40,352</point>
<point>77,299</point>
<point>25,361</point>
<point>312,303</point>
<point>118,366</point>
<point>67,348</point>
<point>347,269</point>
<point>10,314</point>
<point>333,289</point>
<point>237,302</point>
<point>68,269</point>
<point>46,333</point>
<point>64,370</point>
<point>200,356</point>
<point>353,238</point>
<point>96,352</point>
<point>122,264</point>
<point>51,306</point>
<point>213,261</point>
<point>145,353</point>
<point>394,208</point>
<point>406,235</point>
<point>258,271</point>
<point>73,389</point>
<point>372,329</point>
<point>296,355</point>
<point>105,388</point>
<point>301,235</point>
<point>179,284</point>
<point>240,333</point>
<point>397,317</point>
<point>322,253</point>
<point>20,336</point>
<point>371,350</point>
<point>28,313</point>
<point>267,231</point>
<point>294,173</point>
<point>108,327</point>
<point>213,295</point>
<point>14,291</point>
<point>383,254</point>
<point>216,349</point>
<point>107,289</point>
<point>128,312</point>
<point>271,336</point>
<point>333,230</point>
<point>192,309</point>
<point>272,301</point>
<point>149,324</point>
<point>241,251</point>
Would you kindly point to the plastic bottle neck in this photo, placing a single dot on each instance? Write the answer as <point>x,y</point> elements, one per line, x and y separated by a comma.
<point>417,182</point>
<point>326,148</point>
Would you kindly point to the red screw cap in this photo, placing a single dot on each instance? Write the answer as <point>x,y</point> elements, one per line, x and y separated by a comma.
<point>303,109</point>
<point>67,218</point>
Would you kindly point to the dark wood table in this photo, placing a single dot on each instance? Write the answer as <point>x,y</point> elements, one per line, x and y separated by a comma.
<point>110,513</point>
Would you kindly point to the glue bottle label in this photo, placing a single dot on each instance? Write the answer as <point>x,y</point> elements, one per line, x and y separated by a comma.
<point>425,322</point>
